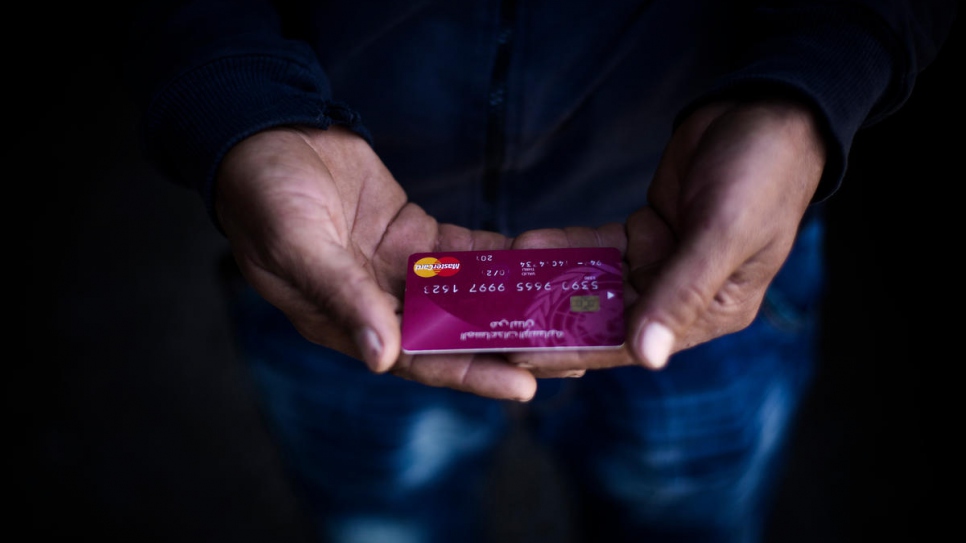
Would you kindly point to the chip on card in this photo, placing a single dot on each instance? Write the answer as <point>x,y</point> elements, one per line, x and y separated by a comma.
<point>513,300</point>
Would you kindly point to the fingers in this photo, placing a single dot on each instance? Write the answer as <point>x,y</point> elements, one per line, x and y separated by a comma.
<point>481,374</point>
<point>552,364</point>
<point>608,235</point>
<point>572,363</point>
<point>457,238</point>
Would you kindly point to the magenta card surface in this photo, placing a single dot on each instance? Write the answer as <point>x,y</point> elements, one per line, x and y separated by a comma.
<point>513,300</point>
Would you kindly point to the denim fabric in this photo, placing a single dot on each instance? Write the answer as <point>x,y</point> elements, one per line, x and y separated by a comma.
<point>691,453</point>
<point>688,453</point>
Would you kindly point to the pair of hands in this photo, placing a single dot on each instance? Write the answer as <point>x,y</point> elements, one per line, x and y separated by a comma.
<point>322,230</point>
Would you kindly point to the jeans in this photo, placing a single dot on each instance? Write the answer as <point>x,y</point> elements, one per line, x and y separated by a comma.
<point>688,453</point>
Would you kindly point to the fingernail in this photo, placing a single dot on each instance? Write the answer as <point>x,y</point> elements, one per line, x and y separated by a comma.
<point>655,344</point>
<point>576,373</point>
<point>525,389</point>
<point>371,346</point>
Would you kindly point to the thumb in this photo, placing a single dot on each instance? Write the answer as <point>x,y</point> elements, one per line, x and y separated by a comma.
<point>333,299</point>
<point>357,305</point>
<point>671,300</point>
<point>653,344</point>
<point>650,242</point>
<point>677,280</point>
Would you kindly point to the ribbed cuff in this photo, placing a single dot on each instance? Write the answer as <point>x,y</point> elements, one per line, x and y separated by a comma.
<point>196,119</point>
<point>838,68</point>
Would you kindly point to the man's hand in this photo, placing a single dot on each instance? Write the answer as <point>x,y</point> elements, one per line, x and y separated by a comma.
<point>321,229</point>
<point>724,209</point>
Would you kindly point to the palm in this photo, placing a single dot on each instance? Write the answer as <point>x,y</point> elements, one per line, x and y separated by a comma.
<point>321,229</point>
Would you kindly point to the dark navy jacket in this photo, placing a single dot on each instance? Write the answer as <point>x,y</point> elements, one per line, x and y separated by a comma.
<point>513,114</point>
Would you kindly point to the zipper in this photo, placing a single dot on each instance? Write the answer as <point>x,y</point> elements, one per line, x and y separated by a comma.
<point>495,146</point>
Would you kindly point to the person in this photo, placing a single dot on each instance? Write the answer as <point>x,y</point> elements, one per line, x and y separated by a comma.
<point>331,140</point>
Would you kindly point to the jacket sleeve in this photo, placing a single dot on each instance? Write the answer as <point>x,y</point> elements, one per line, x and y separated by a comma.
<point>206,74</point>
<point>854,62</point>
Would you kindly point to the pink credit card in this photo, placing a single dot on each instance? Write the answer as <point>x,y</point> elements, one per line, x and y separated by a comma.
<point>513,300</point>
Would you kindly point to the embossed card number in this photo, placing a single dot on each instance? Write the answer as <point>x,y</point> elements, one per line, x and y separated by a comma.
<point>513,300</point>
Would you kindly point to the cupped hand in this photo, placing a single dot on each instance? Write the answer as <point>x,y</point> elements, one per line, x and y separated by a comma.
<point>322,230</point>
<point>724,209</point>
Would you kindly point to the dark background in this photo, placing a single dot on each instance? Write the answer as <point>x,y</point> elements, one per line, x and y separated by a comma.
<point>138,424</point>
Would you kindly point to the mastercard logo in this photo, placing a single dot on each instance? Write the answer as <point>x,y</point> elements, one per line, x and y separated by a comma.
<point>431,267</point>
